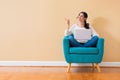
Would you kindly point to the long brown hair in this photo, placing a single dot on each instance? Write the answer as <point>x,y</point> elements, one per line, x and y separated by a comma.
<point>86,25</point>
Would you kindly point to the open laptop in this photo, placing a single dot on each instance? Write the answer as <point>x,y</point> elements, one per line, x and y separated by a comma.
<point>82,34</point>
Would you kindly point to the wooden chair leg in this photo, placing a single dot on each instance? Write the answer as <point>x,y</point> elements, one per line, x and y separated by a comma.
<point>93,66</point>
<point>68,69</point>
<point>98,67</point>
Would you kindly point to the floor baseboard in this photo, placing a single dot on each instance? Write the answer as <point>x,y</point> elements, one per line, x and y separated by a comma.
<point>53,63</point>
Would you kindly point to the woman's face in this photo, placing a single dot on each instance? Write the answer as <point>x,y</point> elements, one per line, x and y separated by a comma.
<point>81,17</point>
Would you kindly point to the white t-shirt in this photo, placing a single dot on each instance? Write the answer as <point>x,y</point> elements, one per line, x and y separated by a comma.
<point>75,26</point>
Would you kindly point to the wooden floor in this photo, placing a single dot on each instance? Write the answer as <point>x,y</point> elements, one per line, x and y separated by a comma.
<point>57,73</point>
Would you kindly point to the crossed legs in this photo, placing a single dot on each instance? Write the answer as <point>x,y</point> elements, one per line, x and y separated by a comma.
<point>91,43</point>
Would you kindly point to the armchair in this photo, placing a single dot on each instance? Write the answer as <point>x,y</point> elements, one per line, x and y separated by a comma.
<point>83,54</point>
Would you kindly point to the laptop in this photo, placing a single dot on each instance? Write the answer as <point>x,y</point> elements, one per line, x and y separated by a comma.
<point>82,34</point>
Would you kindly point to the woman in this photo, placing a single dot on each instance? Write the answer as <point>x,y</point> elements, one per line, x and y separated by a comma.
<point>82,18</point>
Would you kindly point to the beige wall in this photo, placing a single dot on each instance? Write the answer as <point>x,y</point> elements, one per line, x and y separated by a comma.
<point>34,29</point>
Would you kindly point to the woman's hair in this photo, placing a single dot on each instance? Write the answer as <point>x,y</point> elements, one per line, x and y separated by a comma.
<point>86,25</point>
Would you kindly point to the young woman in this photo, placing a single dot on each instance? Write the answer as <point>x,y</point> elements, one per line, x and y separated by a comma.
<point>82,23</point>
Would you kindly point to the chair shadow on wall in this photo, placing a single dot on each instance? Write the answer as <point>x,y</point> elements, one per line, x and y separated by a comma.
<point>101,25</point>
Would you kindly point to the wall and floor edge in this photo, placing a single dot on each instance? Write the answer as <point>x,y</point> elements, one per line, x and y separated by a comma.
<point>53,63</point>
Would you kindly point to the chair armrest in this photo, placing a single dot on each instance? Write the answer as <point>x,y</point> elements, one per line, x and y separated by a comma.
<point>100,45</point>
<point>66,45</point>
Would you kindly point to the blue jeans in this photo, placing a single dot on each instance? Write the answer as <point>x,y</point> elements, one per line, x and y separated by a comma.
<point>90,43</point>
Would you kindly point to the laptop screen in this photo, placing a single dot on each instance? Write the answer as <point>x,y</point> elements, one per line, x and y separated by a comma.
<point>82,34</point>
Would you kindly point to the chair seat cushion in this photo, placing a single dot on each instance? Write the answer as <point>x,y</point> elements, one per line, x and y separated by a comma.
<point>84,50</point>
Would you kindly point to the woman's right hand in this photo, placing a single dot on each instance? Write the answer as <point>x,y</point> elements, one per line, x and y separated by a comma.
<point>68,22</point>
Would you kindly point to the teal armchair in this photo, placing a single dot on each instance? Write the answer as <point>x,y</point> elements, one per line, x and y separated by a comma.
<point>83,54</point>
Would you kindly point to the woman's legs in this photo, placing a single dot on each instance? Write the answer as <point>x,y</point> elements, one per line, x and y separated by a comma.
<point>73,42</point>
<point>92,42</point>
